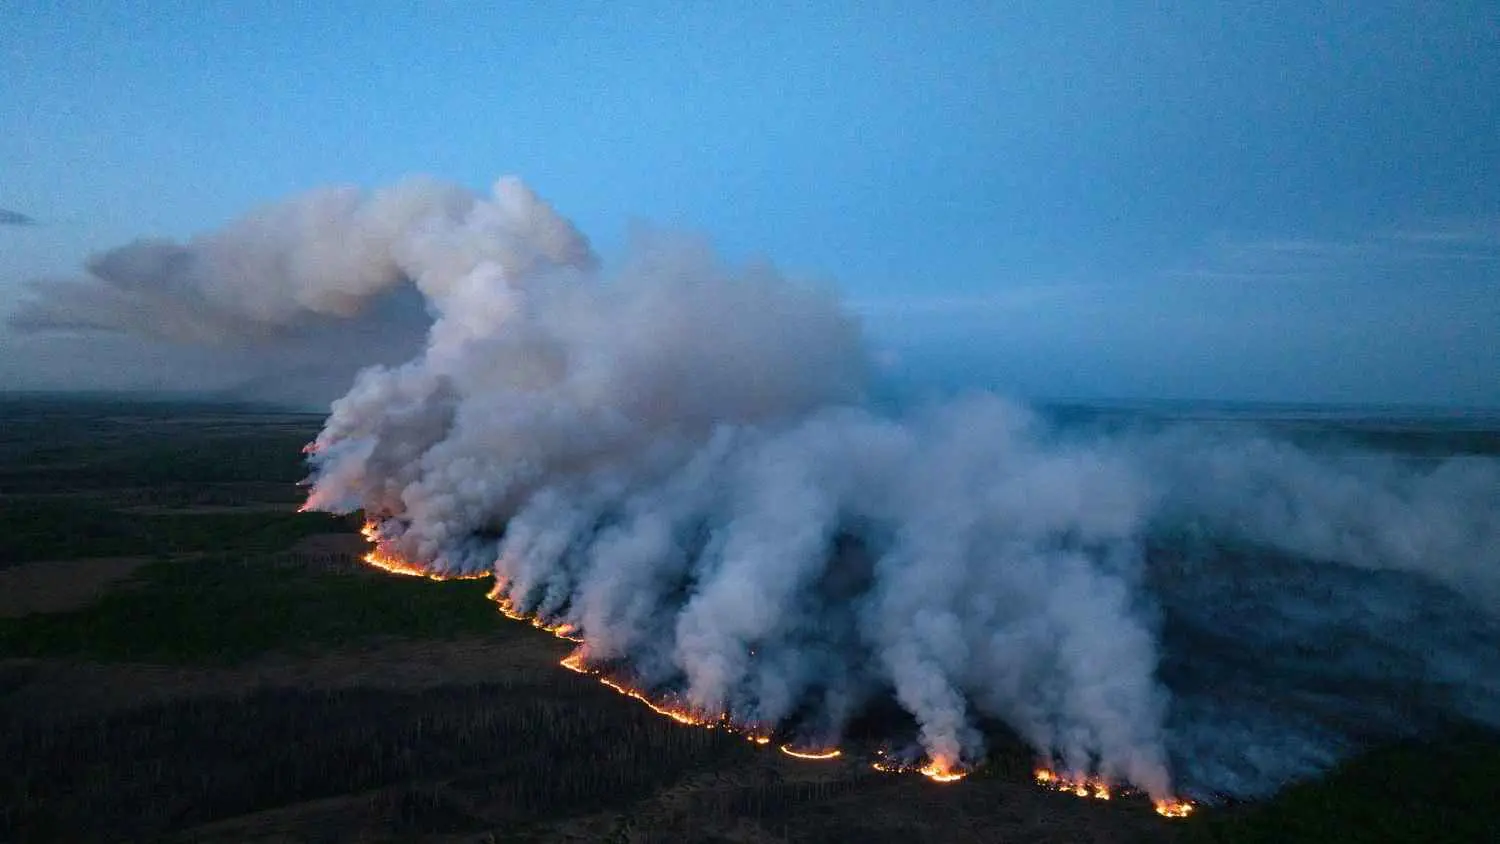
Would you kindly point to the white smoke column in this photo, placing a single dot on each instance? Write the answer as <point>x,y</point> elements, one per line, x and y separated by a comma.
<point>675,459</point>
<point>666,457</point>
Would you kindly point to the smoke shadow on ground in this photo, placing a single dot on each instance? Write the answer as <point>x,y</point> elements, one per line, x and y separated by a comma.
<point>1280,666</point>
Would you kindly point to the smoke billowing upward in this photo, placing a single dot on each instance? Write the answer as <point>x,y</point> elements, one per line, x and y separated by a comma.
<point>298,294</point>
<point>677,460</point>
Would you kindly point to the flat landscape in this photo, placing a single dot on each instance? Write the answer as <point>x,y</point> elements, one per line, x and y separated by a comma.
<point>183,656</point>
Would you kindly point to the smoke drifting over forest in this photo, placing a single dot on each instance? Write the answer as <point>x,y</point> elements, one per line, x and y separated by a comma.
<point>679,460</point>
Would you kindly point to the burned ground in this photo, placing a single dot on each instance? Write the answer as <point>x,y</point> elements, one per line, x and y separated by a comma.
<point>183,657</point>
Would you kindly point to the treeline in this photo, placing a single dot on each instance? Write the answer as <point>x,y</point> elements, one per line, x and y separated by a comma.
<point>513,758</point>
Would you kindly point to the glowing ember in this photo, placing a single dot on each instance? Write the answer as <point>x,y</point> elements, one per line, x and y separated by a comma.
<point>940,771</point>
<point>682,715</point>
<point>386,561</point>
<point>1100,790</point>
<point>937,770</point>
<point>561,630</point>
<point>1080,786</point>
<point>815,755</point>
<point>1174,808</point>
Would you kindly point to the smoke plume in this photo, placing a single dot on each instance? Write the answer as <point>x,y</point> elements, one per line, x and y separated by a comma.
<point>678,459</point>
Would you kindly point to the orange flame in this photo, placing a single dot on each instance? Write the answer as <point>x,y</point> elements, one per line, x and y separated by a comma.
<point>1097,788</point>
<point>381,557</point>
<point>814,755</point>
<point>939,770</point>
<point>681,714</point>
<point>1174,808</point>
<point>1078,786</point>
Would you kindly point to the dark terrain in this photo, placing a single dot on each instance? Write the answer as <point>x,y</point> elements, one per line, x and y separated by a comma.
<point>183,656</point>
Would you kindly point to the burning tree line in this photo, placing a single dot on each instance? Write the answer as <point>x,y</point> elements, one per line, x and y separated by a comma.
<point>1080,784</point>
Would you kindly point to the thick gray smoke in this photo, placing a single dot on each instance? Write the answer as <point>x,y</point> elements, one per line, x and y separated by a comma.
<point>266,304</point>
<point>678,460</point>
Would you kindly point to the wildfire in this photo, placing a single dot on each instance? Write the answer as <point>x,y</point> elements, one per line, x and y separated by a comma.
<point>680,714</point>
<point>1174,808</point>
<point>386,561</point>
<point>382,558</point>
<point>1097,788</point>
<point>936,770</point>
<point>1081,786</point>
<point>940,771</point>
<point>814,755</point>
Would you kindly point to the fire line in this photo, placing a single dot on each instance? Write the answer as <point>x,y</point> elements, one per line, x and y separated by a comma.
<point>940,771</point>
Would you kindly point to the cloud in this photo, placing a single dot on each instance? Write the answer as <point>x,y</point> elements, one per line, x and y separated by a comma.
<point>15,218</point>
<point>291,299</point>
<point>1464,247</point>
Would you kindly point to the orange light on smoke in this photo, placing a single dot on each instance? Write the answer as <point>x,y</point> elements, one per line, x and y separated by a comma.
<point>1094,787</point>
<point>381,558</point>
<point>941,771</point>
<point>1098,789</point>
<point>1174,808</point>
<point>937,770</point>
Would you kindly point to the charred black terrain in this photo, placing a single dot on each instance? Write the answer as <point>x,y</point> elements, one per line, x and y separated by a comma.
<point>184,656</point>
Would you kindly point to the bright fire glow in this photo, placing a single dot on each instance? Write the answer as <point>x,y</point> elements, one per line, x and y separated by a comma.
<point>681,715</point>
<point>1079,786</point>
<point>815,755</point>
<point>1100,790</point>
<point>937,770</point>
<point>941,771</point>
<point>382,558</point>
<point>1174,808</point>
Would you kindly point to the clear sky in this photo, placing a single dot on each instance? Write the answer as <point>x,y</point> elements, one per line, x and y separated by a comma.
<point>1281,201</point>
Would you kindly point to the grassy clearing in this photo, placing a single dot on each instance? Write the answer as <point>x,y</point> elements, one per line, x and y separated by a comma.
<point>38,529</point>
<point>223,611</point>
<point>1439,791</point>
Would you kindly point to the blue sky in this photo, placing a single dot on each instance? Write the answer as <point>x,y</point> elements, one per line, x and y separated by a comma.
<point>1297,201</point>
